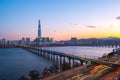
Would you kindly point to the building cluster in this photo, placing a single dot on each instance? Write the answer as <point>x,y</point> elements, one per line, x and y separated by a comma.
<point>26,41</point>
<point>107,42</point>
<point>43,40</point>
<point>5,43</point>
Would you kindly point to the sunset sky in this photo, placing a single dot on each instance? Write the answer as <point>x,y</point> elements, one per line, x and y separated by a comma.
<point>60,19</point>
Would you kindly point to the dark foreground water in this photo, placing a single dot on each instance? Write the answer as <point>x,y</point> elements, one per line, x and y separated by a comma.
<point>15,62</point>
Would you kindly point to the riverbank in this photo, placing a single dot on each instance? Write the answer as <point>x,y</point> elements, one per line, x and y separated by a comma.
<point>9,46</point>
<point>93,72</point>
<point>68,74</point>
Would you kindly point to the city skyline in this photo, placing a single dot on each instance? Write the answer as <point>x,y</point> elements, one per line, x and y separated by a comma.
<point>60,20</point>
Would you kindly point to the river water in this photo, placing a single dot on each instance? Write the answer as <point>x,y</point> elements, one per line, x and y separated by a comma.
<point>84,51</point>
<point>15,62</point>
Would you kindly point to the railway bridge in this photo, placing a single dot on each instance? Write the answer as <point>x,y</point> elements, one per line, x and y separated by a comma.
<point>60,58</point>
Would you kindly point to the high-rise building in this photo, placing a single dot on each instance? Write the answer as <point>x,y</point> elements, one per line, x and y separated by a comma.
<point>39,29</point>
<point>27,40</point>
<point>40,39</point>
<point>23,39</point>
<point>4,42</point>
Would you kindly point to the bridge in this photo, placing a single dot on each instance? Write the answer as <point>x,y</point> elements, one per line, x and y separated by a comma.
<point>60,58</point>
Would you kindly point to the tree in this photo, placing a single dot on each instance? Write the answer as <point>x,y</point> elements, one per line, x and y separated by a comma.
<point>23,78</point>
<point>34,74</point>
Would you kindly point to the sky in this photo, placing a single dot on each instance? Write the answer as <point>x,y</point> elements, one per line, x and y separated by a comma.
<point>60,19</point>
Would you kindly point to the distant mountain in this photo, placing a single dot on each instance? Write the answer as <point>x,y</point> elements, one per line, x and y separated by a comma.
<point>109,38</point>
<point>93,39</point>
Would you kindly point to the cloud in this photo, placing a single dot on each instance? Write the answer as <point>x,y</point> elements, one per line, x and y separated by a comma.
<point>111,26</point>
<point>118,18</point>
<point>91,26</point>
<point>76,24</point>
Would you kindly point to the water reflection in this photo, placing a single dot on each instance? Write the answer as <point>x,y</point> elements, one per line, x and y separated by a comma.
<point>88,52</point>
<point>15,62</point>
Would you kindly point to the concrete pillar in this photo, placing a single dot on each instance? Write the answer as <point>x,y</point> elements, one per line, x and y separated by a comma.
<point>81,62</point>
<point>73,63</point>
<point>43,54</point>
<point>57,59</point>
<point>38,52</point>
<point>69,62</point>
<point>51,56</point>
<point>60,61</point>
<point>48,56</point>
<point>63,60</point>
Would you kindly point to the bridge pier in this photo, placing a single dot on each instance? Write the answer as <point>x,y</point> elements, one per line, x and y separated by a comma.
<point>81,62</point>
<point>73,63</point>
<point>69,62</point>
<point>47,55</point>
<point>53,57</point>
<point>63,60</point>
<point>40,53</point>
<point>56,58</point>
<point>60,61</point>
<point>43,54</point>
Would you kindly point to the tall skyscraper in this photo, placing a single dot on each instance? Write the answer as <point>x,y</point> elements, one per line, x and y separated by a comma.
<point>39,29</point>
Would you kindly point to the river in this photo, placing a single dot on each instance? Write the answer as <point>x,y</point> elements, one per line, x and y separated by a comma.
<point>84,51</point>
<point>15,62</point>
